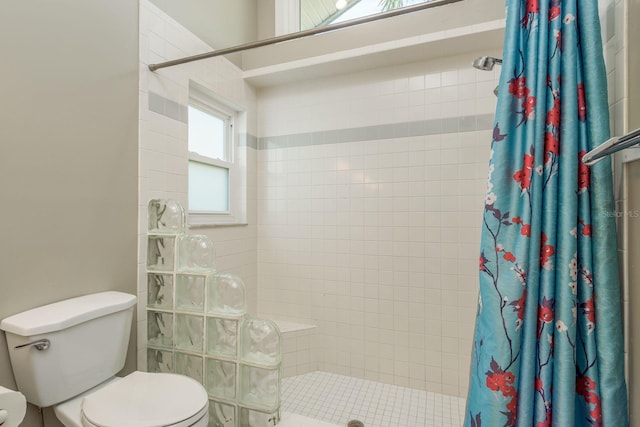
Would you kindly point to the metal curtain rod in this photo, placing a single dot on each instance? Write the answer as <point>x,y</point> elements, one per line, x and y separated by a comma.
<point>300,34</point>
<point>611,146</point>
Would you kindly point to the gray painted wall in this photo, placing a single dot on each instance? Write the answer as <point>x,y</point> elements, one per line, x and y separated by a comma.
<point>266,19</point>
<point>634,223</point>
<point>633,174</point>
<point>68,155</point>
<point>219,23</point>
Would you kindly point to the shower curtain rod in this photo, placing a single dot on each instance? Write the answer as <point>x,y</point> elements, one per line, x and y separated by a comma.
<point>611,146</point>
<point>301,34</point>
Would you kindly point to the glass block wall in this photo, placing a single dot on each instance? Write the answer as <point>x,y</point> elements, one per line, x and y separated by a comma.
<point>198,326</point>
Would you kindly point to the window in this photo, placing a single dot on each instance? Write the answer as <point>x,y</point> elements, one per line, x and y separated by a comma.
<point>317,13</point>
<point>215,177</point>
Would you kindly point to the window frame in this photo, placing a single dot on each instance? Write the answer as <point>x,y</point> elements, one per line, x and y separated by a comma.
<point>203,100</point>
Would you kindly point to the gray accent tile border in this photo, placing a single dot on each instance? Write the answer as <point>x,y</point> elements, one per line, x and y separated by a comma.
<point>168,108</point>
<point>388,131</point>
<point>176,111</point>
<point>173,110</point>
<point>248,140</point>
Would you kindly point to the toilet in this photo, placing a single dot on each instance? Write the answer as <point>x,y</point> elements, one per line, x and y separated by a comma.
<point>66,355</point>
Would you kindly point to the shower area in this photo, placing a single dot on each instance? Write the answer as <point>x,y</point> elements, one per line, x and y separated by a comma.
<point>371,232</point>
<point>369,224</point>
<point>366,178</point>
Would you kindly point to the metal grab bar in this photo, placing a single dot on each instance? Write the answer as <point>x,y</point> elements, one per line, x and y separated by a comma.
<point>301,34</point>
<point>611,146</point>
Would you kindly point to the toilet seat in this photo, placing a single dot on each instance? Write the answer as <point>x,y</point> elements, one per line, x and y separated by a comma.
<point>144,399</point>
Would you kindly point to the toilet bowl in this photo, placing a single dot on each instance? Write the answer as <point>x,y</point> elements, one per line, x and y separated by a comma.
<point>140,399</point>
<point>66,355</point>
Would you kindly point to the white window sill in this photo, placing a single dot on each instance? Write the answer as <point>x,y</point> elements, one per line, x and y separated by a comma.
<point>209,219</point>
<point>216,225</point>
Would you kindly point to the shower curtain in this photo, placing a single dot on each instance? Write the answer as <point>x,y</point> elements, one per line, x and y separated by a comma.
<point>548,346</point>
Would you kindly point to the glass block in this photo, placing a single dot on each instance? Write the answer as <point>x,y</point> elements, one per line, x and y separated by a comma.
<point>196,253</point>
<point>166,216</point>
<point>222,337</point>
<point>189,365</point>
<point>261,342</point>
<point>160,291</point>
<point>227,295</point>
<point>160,329</point>
<point>160,253</point>
<point>221,414</point>
<point>220,379</point>
<point>189,332</point>
<point>159,360</point>
<point>190,292</point>
<point>251,418</point>
<point>260,387</point>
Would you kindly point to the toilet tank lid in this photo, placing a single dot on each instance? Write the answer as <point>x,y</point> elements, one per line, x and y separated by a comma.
<point>64,314</point>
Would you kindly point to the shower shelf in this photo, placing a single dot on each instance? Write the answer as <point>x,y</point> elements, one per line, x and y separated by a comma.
<point>472,38</point>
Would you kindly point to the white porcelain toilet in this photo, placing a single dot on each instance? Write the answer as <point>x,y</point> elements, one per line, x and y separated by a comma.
<point>66,355</point>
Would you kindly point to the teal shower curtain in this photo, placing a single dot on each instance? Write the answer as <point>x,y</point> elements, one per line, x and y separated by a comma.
<point>548,348</point>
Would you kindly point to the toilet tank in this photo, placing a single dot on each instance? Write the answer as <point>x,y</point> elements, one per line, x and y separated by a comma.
<point>89,337</point>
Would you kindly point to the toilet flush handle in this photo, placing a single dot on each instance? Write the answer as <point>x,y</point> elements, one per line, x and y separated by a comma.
<point>40,345</point>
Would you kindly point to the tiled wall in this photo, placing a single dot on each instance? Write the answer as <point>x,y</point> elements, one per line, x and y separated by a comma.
<point>620,126</point>
<point>163,145</point>
<point>632,205</point>
<point>613,24</point>
<point>633,292</point>
<point>370,194</point>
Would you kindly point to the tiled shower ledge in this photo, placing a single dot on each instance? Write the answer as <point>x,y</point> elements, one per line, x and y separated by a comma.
<point>418,48</point>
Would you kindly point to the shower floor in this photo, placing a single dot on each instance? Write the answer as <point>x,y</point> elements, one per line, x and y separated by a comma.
<point>338,399</point>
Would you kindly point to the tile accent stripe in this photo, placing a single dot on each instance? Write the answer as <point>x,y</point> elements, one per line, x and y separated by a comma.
<point>176,111</point>
<point>248,140</point>
<point>387,131</point>
<point>173,110</point>
<point>168,108</point>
